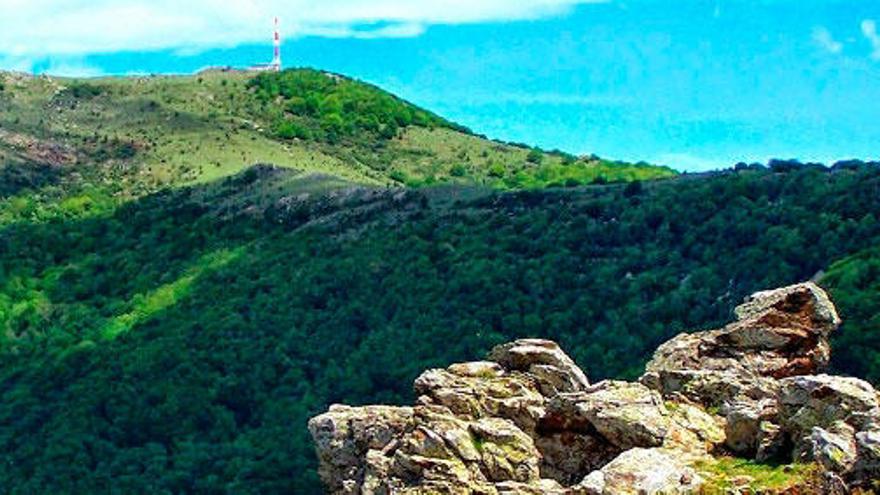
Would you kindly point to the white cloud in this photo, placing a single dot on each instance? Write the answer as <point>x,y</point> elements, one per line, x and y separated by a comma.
<point>823,37</point>
<point>869,29</point>
<point>394,30</point>
<point>40,28</point>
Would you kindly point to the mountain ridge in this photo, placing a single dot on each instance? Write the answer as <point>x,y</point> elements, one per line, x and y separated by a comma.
<point>154,128</point>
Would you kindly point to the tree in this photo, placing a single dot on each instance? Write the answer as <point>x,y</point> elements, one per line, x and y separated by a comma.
<point>535,156</point>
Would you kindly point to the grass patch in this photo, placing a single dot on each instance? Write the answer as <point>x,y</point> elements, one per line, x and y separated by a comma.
<point>145,306</point>
<point>424,157</point>
<point>726,473</point>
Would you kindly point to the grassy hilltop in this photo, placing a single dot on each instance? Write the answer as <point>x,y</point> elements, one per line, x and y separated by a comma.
<point>161,131</point>
<point>170,314</point>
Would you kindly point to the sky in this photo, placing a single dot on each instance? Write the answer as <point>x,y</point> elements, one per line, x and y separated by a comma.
<point>694,84</point>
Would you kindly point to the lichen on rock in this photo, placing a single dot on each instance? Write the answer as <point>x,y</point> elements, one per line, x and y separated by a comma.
<point>528,421</point>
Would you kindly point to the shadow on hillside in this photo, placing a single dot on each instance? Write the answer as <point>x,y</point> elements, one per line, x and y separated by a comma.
<point>145,323</point>
<point>16,178</point>
<point>107,265</point>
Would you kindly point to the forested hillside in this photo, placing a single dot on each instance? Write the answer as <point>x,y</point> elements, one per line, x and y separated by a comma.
<point>179,342</point>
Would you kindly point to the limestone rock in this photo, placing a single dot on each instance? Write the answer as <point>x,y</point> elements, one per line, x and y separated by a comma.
<point>746,425</point>
<point>626,414</point>
<point>712,388</point>
<point>807,300</point>
<point>345,435</point>
<point>772,442</point>
<point>778,333</point>
<point>821,400</point>
<point>643,471</point>
<point>554,371</point>
<point>506,453</point>
<point>568,455</point>
<point>494,393</point>
<point>693,429</point>
<point>867,465</point>
<point>834,450</point>
<point>542,487</point>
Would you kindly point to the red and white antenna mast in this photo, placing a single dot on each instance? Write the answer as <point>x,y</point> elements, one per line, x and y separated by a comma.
<point>276,61</point>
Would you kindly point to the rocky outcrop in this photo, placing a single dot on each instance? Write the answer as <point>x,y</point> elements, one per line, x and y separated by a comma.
<point>777,334</point>
<point>639,471</point>
<point>528,421</point>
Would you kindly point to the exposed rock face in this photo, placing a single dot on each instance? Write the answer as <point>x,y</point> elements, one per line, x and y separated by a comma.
<point>777,334</point>
<point>347,440</point>
<point>628,415</point>
<point>551,368</point>
<point>527,421</point>
<point>639,471</point>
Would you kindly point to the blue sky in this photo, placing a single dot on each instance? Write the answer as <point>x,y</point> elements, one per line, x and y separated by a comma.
<point>694,84</point>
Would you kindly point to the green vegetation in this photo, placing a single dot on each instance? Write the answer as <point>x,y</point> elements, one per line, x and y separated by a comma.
<point>424,156</point>
<point>155,132</point>
<point>334,108</point>
<point>171,315</point>
<point>145,306</point>
<point>728,473</point>
<point>239,308</point>
<point>81,91</point>
<point>855,285</point>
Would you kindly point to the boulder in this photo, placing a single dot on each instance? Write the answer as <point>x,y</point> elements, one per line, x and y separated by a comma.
<point>693,429</point>
<point>805,301</point>
<point>542,487</point>
<point>643,471</point>
<point>626,414</point>
<point>551,368</point>
<point>833,449</point>
<point>506,453</point>
<point>747,424</point>
<point>778,333</point>
<point>345,435</point>
<point>567,456</point>
<point>867,464</point>
<point>821,400</point>
<point>711,388</point>
<point>477,390</point>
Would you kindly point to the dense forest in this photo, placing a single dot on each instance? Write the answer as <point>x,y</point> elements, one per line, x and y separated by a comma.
<point>179,342</point>
<point>315,106</point>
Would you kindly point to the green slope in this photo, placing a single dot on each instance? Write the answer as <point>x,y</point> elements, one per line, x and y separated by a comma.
<point>151,132</point>
<point>855,285</point>
<point>178,344</point>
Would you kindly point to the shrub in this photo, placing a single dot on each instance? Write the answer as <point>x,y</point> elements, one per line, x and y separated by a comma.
<point>458,170</point>
<point>497,170</point>
<point>535,156</point>
<point>83,90</point>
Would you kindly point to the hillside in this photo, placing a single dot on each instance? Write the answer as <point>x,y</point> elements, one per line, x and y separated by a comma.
<point>152,132</point>
<point>179,342</point>
<point>191,267</point>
